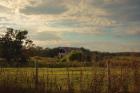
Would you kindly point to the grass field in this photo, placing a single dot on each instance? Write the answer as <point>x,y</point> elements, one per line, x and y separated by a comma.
<point>117,75</point>
<point>70,80</point>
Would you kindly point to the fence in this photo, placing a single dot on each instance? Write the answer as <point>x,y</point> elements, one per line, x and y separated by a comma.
<point>93,79</point>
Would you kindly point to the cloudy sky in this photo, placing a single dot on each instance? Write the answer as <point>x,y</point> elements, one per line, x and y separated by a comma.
<point>102,25</point>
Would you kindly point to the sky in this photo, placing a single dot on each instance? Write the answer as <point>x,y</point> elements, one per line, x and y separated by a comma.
<point>99,25</point>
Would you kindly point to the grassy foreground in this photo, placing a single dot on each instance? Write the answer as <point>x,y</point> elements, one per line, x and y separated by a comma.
<point>70,80</point>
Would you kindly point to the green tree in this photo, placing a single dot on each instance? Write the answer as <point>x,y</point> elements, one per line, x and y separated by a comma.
<point>75,56</point>
<point>15,46</point>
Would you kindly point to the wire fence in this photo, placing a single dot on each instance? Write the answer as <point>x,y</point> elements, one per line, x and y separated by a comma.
<point>93,79</point>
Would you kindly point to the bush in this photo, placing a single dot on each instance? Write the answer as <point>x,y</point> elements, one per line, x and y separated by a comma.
<point>75,56</point>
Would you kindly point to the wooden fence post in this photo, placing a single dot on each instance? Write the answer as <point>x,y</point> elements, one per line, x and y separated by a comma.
<point>36,76</point>
<point>109,76</point>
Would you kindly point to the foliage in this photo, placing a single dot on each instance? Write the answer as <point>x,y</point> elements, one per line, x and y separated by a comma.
<point>80,56</point>
<point>47,52</point>
<point>75,56</point>
<point>15,46</point>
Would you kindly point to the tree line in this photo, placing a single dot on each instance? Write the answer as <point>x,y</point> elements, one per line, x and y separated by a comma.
<point>16,47</point>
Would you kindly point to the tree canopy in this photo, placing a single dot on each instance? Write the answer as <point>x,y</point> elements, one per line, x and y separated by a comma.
<point>15,46</point>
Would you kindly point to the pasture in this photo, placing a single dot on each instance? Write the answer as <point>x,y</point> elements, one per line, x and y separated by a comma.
<point>70,80</point>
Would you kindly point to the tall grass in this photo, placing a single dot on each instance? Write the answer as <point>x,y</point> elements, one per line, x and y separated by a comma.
<point>96,79</point>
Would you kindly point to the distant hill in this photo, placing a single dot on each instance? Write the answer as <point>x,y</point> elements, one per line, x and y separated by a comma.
<point>54,52</point>
<point>117,53</point>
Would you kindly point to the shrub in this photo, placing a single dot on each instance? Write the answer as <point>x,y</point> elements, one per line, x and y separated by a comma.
<point>75,56</point>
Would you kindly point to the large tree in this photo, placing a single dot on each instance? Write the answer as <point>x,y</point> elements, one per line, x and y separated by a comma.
<point>15,46</point>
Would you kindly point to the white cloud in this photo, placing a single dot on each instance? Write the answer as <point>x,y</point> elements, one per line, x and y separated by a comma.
<point>87,17</point>
<point>79,10</point>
